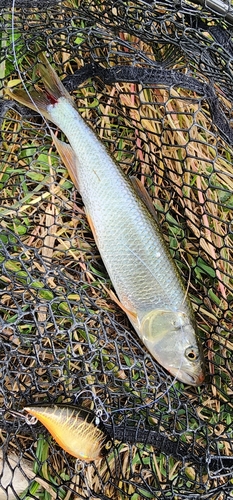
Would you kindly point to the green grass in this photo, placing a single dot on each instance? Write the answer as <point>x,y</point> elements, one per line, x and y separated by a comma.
<point>43,213</point>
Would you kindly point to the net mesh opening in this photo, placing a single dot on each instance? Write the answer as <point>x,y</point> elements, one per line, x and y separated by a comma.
<point>154,80</point>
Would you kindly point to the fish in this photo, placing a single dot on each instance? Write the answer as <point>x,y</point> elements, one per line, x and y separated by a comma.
<point>122,217</point>
<point>77,430</point>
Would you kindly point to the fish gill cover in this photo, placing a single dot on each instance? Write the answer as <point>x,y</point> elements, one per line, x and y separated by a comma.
<point>154,80</point>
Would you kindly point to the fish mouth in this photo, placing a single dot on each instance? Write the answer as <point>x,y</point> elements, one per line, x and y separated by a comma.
<point>188,378</point>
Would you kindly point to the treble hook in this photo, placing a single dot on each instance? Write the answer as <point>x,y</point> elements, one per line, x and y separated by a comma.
<point>100,409</point>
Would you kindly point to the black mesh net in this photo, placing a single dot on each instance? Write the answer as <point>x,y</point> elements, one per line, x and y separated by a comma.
<point>154,79</point>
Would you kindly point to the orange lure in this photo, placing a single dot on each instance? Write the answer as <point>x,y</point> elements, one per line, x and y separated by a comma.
<point>76,429</point>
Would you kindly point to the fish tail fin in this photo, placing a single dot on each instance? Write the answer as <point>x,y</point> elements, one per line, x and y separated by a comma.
<point>51,80</point>
<point>39,100</point>
<point>33,100</point>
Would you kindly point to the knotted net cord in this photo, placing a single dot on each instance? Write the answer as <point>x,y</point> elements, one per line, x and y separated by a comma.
<point>60,332</point>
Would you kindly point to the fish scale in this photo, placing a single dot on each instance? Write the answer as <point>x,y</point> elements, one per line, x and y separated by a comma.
<point>114,222</point>
<point>145,278</point>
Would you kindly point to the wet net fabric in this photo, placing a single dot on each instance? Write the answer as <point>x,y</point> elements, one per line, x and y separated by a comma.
<point>60,333</point>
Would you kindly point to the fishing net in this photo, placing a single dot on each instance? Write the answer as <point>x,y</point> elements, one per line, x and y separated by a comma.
<point>154,80</point>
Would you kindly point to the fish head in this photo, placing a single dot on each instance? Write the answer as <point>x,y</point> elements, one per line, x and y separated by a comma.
<point>171,338</point>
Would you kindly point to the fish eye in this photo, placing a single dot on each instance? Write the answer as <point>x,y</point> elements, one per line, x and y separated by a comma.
<point>192,353</point>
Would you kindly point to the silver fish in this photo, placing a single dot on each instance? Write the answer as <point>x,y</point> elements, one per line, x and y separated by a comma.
<point>120,213</point>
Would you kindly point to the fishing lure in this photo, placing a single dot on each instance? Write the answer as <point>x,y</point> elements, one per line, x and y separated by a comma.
<point>86,437</point>
<point>78,430</point>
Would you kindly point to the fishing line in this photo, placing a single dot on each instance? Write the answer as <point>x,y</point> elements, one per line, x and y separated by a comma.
<point>147,405</point>
<point>104,415</point>
<point>152,403</point>
<point>141,260</point>
<point>101,408</point>
<point>17,66</point>
<point>143,263</point>
<point>188,266</point>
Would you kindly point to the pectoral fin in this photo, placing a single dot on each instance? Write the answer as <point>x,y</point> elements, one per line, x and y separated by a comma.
<point>68,157</point>
<point>142,192</point>
<point>131,314</point>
